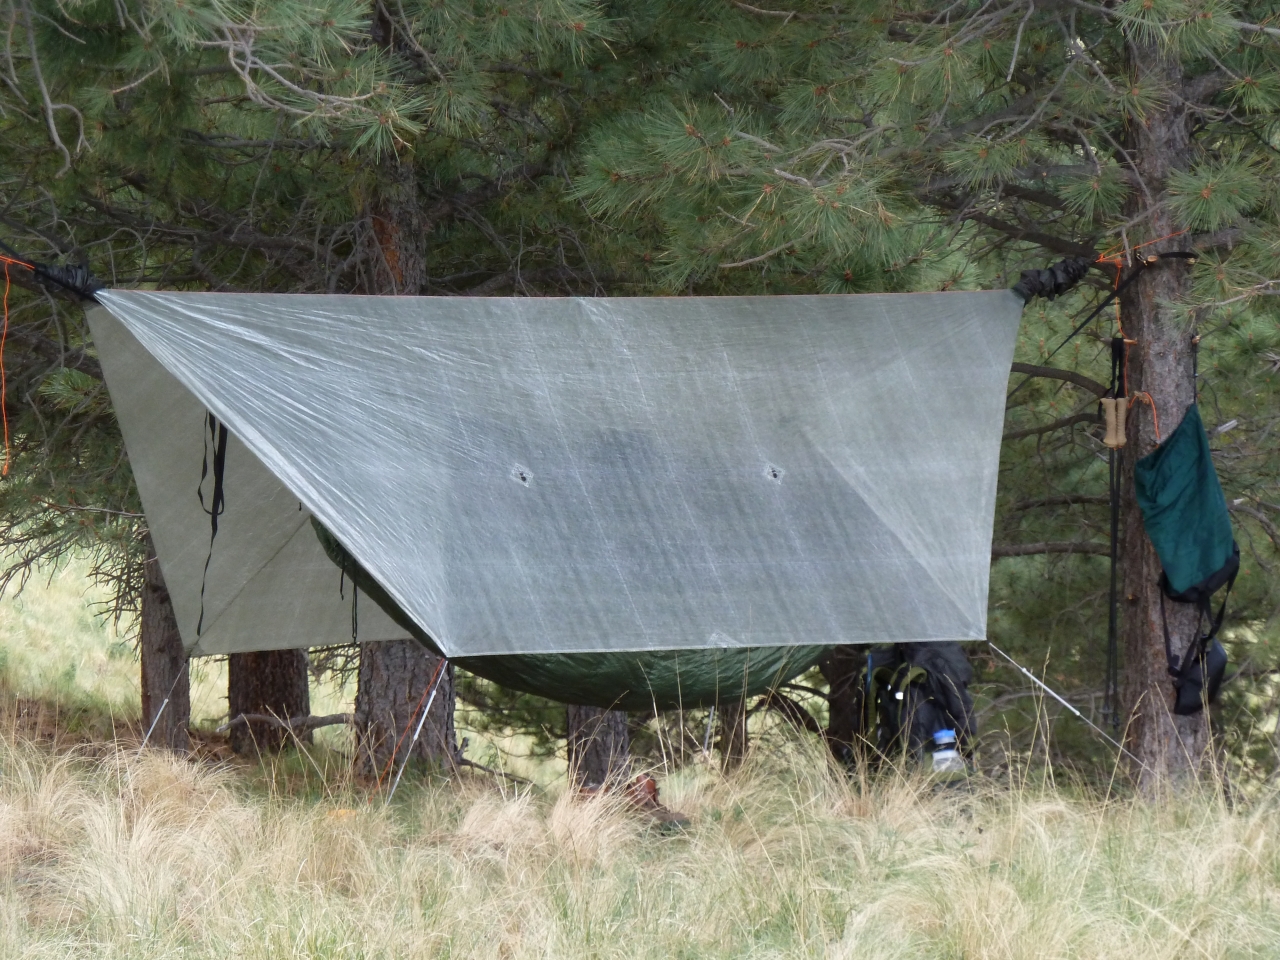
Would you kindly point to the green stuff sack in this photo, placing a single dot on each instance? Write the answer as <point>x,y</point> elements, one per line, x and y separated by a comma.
<point>1185,513</point>
<point>1186,518</point>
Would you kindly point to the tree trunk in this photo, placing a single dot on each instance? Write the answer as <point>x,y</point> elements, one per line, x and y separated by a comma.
<point>391,690</point>
<point>270,683</point>
<point>393,675</point>
<point>396,215</point>
<point>731,715</point>
<point>599,746</point>
<point>1161,365</point>
<point>841,669</point>
<point>166,681</point>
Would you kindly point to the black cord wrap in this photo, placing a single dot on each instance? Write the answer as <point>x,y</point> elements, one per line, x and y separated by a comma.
<point>1053,281</point>
<point>75,278</point>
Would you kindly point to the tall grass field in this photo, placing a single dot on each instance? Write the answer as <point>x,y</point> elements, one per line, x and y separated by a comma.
<point>107,852</point>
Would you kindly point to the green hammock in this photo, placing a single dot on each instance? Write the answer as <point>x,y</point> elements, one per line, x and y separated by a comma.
<point>656,679</point>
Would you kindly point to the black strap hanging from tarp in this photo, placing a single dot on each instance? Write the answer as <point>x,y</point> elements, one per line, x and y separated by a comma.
<point>215,436</point>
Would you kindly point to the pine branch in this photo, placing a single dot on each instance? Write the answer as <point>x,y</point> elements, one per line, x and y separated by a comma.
<point>1253,28</point>
<point>1057,373</point>
<point>1261,518</point>
<point>1060,245</point>
<point>1060,424</point>
<point>999,551</point>
<point>1061,500</point>
<point>785,15</point>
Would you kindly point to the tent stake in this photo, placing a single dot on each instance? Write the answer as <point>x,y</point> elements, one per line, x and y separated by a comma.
<point>418,730</point>
<point>1062,700</point>
<point>154,721</point>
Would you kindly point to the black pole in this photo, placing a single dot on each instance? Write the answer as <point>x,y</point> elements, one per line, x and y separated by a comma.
<point>1112,705</point>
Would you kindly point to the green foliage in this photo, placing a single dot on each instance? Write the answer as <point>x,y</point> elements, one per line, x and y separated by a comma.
<point>578,147</point>
<point>1218,193</point>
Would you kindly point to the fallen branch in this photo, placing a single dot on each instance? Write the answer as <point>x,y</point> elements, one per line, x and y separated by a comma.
<point>302,724</point>
<point>464,762</point>
<point>781,703</point>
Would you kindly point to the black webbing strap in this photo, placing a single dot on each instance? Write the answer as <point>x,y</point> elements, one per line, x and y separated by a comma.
<point>1111,698</point>
<point>217,436</point>
<point>1178,666</point>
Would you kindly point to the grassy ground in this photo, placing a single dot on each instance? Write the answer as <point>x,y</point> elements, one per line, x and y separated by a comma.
<point>128,856</point>
<point>105,853</point>
<point>56,650</point>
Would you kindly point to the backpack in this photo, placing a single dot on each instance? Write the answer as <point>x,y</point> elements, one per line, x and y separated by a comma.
<point>913,690</point>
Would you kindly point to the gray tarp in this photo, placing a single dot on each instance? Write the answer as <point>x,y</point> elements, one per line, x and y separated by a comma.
<point>556,475</point>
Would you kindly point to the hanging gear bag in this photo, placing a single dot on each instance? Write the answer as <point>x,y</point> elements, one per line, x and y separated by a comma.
<point>1186,518</point>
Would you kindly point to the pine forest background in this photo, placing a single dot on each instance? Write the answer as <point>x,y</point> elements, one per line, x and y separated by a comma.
<point>566,147</point>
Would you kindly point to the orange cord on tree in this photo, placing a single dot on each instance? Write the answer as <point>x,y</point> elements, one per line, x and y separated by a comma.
<point>4,336</point>
<point>45,273</point>
<point>1112,254</point>
<point>1146,397</point>
<point>4,385</point>
<point>1114,257</point>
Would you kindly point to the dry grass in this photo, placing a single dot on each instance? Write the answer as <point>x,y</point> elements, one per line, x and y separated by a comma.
<point>57,651</point>
<point>131,856</point>
<point>105,853</point>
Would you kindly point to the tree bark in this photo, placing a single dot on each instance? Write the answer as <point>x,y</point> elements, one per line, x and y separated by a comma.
<point>394,675</point>
<point>390,693</point>
<point>731,715</point>
<point>841,669</point>
<point>166,680</point>
<point>399,228</point>
<point>1161,364</point>
<point>599,746</point>
<point>271,682</point>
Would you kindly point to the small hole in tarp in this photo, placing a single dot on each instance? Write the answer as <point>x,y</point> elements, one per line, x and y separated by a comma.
<point>773,473</point>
